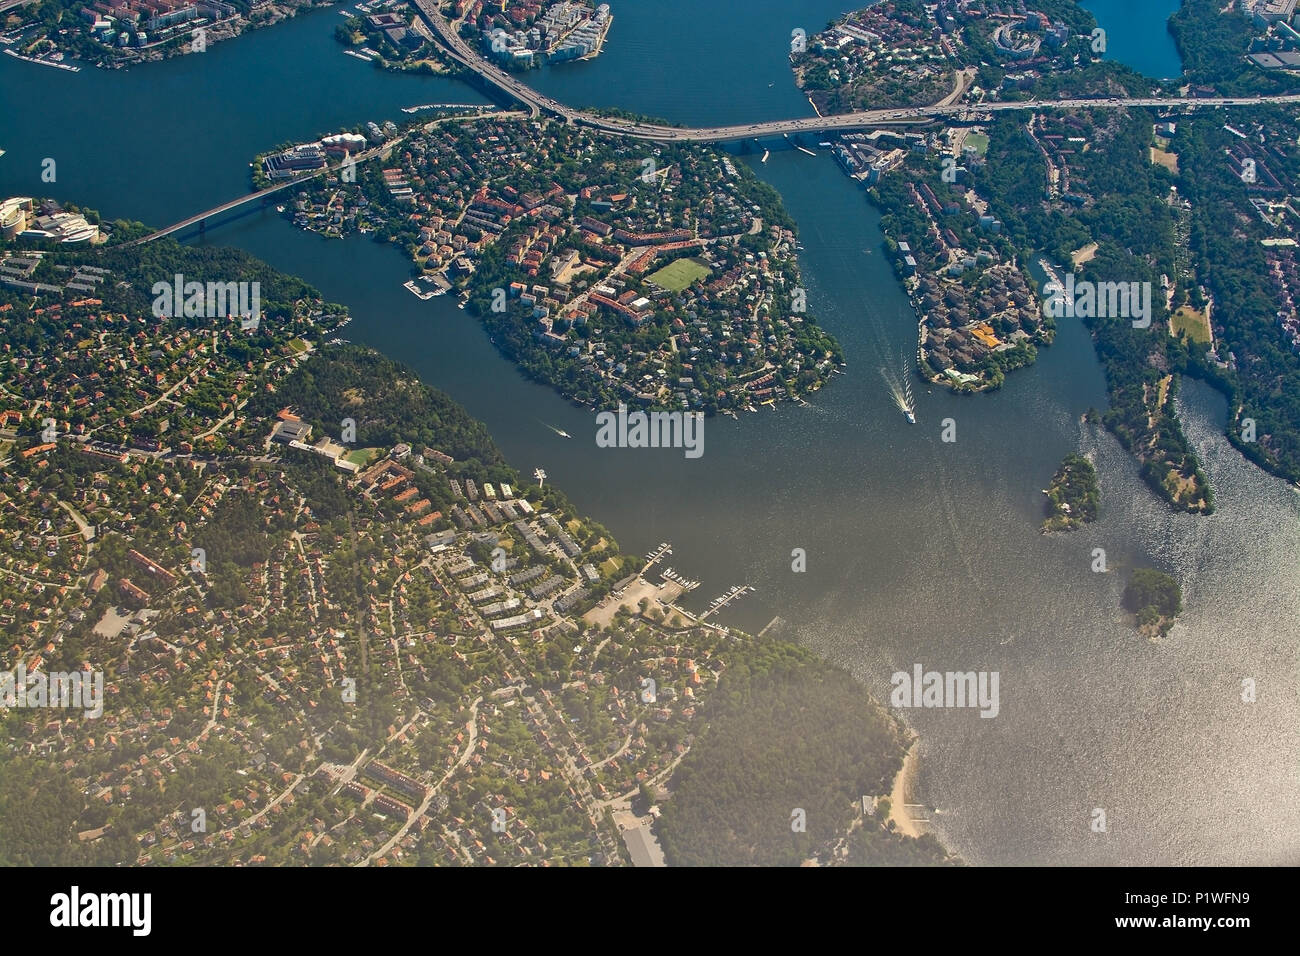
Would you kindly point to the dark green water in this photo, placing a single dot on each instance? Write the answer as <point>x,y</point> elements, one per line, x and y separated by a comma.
<point>919,551</point>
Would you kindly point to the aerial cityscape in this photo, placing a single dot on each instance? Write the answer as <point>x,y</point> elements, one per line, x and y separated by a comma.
<point>958,343</point>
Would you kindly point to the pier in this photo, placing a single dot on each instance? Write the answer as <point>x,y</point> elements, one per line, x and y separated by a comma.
<point>668,574</point>
<point>652,557</point>
<point>718,603</point>
<point>39,62</point>
<point>448,106</point>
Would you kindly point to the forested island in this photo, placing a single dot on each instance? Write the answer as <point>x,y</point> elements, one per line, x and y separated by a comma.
<point>1073,495</point>
<point>1155,599</point>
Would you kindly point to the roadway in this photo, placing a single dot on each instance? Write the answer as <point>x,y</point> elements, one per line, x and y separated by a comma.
<point>471,59</point>
<point>910,114</point>
<point>260,194</point>
<point>461,52</point>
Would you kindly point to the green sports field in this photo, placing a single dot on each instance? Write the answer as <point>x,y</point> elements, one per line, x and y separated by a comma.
<point>676,276</point>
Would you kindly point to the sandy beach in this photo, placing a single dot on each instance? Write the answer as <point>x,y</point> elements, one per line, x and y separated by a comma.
<point>903,792</point>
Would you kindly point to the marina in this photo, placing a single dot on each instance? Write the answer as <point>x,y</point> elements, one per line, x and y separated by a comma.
<point>668,574</point>
<point>736,592</point>
<point>424,294</point>
<point>652,557</point>
<point>1054,280</point>
<point>444,106</point>
<point>31,59</point>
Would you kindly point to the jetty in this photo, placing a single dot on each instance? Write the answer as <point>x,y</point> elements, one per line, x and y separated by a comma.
<point>718,603</point>
<point>668,574</point>
<point>37,60</point>
<point>447,106</point>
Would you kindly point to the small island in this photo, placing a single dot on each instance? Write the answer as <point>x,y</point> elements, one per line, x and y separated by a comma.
<point>1155,598</point>
<point>1073,496</point>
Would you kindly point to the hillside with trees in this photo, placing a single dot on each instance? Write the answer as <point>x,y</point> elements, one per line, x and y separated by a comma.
<point>786,732</point>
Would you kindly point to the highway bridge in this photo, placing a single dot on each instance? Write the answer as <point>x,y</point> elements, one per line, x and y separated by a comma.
<point>461,51</point>
<point>261,194</point>
<point>913,115</point>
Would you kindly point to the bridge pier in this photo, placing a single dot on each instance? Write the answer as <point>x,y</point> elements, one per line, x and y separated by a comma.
<point>203,225</point>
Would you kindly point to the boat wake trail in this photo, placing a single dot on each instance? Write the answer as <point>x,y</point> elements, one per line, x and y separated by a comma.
<point>900,390</point>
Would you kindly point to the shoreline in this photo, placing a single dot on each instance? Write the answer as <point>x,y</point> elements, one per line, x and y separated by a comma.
<point>905,783</point>
<point>39,62</point>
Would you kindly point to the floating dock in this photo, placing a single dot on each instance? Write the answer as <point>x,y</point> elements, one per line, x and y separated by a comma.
<point>718,603</point>
<point>447,106</point>
<point>40,62</point>
<point>668,574</point>
<point>413,286</point>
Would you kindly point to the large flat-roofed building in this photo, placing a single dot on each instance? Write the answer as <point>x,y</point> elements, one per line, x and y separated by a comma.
<point>293,161</point>
<point>18,220</point>
<point>1265,12</point>
<point>292,431</point>
<point>14,216</point>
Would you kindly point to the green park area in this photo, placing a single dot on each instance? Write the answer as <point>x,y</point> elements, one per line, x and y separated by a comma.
<point>362,456</point>
<point>1193,322</point>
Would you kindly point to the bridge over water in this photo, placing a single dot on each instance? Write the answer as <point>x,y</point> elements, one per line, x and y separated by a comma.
<point>493,76</point>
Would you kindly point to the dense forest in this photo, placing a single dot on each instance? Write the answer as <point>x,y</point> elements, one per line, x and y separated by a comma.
<point>387,402</point>
<point>1231,264</point>
<point>1155,597</point>
<point>785,732</point>
<point>1073,496</point>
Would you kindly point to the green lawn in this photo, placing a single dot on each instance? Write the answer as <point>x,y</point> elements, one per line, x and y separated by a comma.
<point>361,456</point>
<point>1192,322</point>
<point>676,276</point>
<point>978,142</point>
